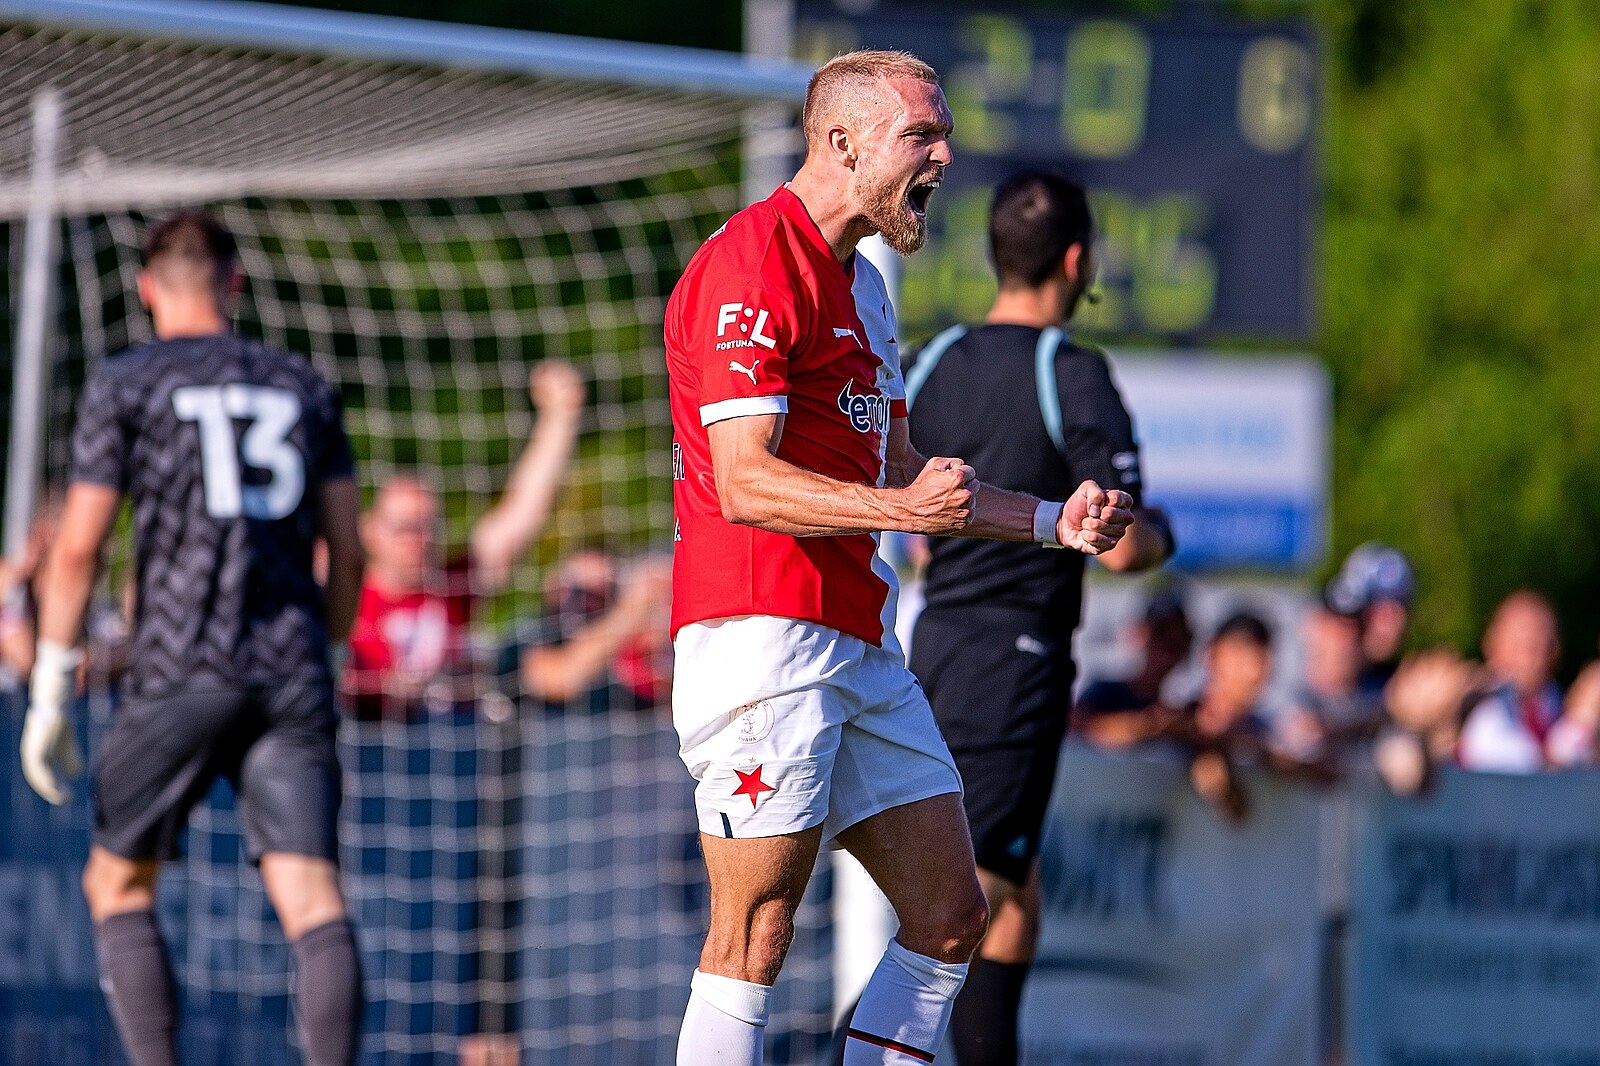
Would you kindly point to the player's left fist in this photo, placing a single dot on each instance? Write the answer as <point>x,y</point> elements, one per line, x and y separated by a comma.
<point>49,748</point>
<point>556,386</point>
<point>1094,519</point>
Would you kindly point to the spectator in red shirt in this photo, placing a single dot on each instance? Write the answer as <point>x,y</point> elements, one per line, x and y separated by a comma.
<point>410,649</point>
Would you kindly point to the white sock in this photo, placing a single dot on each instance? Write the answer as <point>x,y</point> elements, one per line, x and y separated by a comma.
<point>904,1011</point>
<point>724,1022</point>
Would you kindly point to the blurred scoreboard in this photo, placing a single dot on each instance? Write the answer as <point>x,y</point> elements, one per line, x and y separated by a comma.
<point>1195,137</point>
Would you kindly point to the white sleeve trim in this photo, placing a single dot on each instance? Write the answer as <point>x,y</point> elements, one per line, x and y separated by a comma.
<point>743,406</point>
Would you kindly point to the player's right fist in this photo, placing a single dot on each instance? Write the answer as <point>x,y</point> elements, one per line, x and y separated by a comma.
<point>940,499</point>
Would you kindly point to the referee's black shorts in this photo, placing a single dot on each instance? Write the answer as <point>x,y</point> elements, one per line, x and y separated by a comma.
<point>275,745</point>
<point>1000,683</point>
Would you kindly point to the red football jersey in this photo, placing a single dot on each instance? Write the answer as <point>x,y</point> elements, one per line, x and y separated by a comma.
<point>403,641</point>
<point>766,320</point>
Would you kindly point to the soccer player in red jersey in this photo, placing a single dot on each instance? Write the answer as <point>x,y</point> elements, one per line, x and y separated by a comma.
<point>793,704</point>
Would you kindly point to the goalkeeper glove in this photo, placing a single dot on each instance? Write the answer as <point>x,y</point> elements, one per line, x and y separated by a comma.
<point>49,748</point>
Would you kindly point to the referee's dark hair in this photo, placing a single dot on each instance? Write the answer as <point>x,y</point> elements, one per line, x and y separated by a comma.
<point>1037,215</point>
<point>191,248</point>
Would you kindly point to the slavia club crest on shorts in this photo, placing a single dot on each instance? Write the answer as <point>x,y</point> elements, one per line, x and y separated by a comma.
<point>755,722</point>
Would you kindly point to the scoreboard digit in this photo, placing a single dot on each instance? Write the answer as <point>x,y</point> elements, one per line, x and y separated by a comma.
<point>1195,139</point>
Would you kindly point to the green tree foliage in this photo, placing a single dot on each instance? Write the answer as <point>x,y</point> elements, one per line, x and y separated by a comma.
<point>1461,250</point>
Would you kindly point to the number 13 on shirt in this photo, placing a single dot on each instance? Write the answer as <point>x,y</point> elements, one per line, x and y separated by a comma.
<point>273,414</point>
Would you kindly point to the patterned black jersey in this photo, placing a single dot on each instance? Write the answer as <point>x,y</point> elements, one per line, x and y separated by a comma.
<point>222,443</point>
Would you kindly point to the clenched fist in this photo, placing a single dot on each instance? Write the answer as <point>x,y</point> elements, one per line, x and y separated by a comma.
<point>555,386</point>
<point>941,497</point>
<point>1094,519</point>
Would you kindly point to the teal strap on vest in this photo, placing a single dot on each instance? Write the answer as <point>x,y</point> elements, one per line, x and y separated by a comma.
<point>1044,376</point>
<point>928,359</point>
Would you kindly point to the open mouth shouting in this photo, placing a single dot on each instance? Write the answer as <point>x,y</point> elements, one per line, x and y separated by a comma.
<point>919,195</point>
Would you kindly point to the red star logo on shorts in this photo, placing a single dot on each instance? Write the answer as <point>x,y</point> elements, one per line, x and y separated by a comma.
<point>750,784</point>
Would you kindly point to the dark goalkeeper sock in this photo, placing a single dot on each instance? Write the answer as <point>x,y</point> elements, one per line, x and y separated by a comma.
<point>983,1029</point>
<point>327,994</point>
<point>139,986</point>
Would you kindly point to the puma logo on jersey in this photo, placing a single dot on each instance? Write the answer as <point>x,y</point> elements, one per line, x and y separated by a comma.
<point>837,332</point>
<point>865,411</point>
<point>748,371</point>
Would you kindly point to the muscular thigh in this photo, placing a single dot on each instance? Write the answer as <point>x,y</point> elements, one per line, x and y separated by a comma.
<point>921,857</point>
<point>288,779</point>
<point>161,757</point>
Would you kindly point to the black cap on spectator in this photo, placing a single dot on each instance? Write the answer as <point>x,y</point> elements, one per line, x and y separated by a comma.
<point>1245,625</point>
<point>1371,573</point>
<point>1166,606</point>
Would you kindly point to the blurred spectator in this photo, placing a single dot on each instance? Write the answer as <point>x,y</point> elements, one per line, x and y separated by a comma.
<point>1575,738</point>
<point>1332,714</point>
<point>1506,730</point>
<point>1216,732</point>
<point>105,626</point>
<point>602,641</point>
<point>17,607</point>
<point>1116,714</point>
<point>1375,585</point>
<point>1226,725</point>
<point>1425,701</point>
<point>410,648</point>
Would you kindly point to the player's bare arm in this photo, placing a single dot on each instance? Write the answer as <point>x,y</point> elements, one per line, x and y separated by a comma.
<point>1144,546</point>
<point>87,519</point>
<point>1093,521</point>
<point>49,750</point>
<point>339,520</point>
<point>757,488</point>
<point>504,533</point>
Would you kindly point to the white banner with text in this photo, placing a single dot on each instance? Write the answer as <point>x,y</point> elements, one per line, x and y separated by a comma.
<point>1170,937</point>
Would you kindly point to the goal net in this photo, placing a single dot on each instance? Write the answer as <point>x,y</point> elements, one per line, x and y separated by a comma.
<point>524,873</point>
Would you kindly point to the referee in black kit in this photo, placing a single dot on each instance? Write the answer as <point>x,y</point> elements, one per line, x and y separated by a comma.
<point>1037,413</point>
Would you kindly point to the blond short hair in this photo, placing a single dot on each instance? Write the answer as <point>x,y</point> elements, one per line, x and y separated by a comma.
<point>840,83</point>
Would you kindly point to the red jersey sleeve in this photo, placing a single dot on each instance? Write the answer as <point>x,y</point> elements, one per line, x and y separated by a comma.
<point>740,324</point>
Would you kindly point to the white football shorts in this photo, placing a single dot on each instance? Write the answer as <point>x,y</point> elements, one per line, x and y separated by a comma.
<point>788,724</point>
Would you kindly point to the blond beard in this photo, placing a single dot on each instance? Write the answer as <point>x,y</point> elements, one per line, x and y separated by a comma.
<point>888,211</point>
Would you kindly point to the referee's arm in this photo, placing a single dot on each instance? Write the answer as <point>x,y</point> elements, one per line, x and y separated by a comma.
<point>1146,545</point>
<point>1102,447</point>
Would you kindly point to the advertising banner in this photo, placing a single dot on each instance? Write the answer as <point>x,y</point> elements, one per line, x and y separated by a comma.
<point>1171,938</point>
<point>1236,450</point>
<point>1476,925</point>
